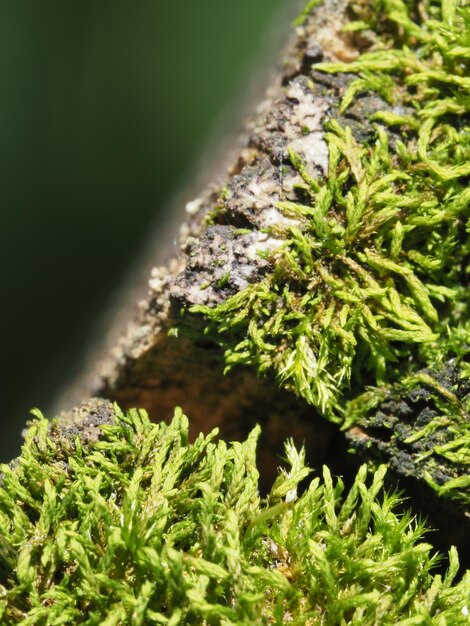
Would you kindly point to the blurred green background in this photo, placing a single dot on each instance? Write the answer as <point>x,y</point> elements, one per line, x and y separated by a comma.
<point>105,107</point>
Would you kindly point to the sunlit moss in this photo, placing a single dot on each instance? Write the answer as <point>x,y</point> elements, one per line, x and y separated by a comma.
<point>131,524</point>
<point>378,260</point>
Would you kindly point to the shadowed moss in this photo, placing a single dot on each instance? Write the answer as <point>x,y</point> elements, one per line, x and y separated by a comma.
<point>377,260</point>
<point>131,524</point>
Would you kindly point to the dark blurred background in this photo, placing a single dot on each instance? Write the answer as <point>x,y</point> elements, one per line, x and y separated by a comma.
<point>105,107</point>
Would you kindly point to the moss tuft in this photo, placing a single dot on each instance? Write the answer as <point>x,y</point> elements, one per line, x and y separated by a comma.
<point>135,525</point>
<point>378,259</point>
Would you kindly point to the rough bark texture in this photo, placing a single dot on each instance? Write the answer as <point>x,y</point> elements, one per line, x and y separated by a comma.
<point>396,432</point>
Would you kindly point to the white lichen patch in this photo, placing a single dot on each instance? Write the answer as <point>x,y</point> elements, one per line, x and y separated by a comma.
<point>259,192</point>
<point>262,194</point>
<point>156,280</point>
<point>161,276</point>
<point>335,44</point>
<point>273,217</point>
<point>314,152</point>
<point>223,262</point>
<point>199,294</point>
<point>193,206</point>
<point>305,131</point>
<point>310,111</point>
<point>254,193</point>
<point>262,242</point>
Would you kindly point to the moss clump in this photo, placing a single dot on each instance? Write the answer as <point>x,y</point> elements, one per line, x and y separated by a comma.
<point>131,524</point>
<point>377,262</point>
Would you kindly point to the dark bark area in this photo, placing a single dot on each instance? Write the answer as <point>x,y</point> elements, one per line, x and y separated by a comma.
<point>391,434</point>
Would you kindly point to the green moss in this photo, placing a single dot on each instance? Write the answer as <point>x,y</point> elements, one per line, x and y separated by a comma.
<point>222,282</point>
<point>129,523</point>
<point>378,262</point>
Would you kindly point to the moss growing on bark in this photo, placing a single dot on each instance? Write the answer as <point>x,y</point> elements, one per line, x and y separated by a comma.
<point>374,257</point>
<point>114,520</point>
<point>109,519</point>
